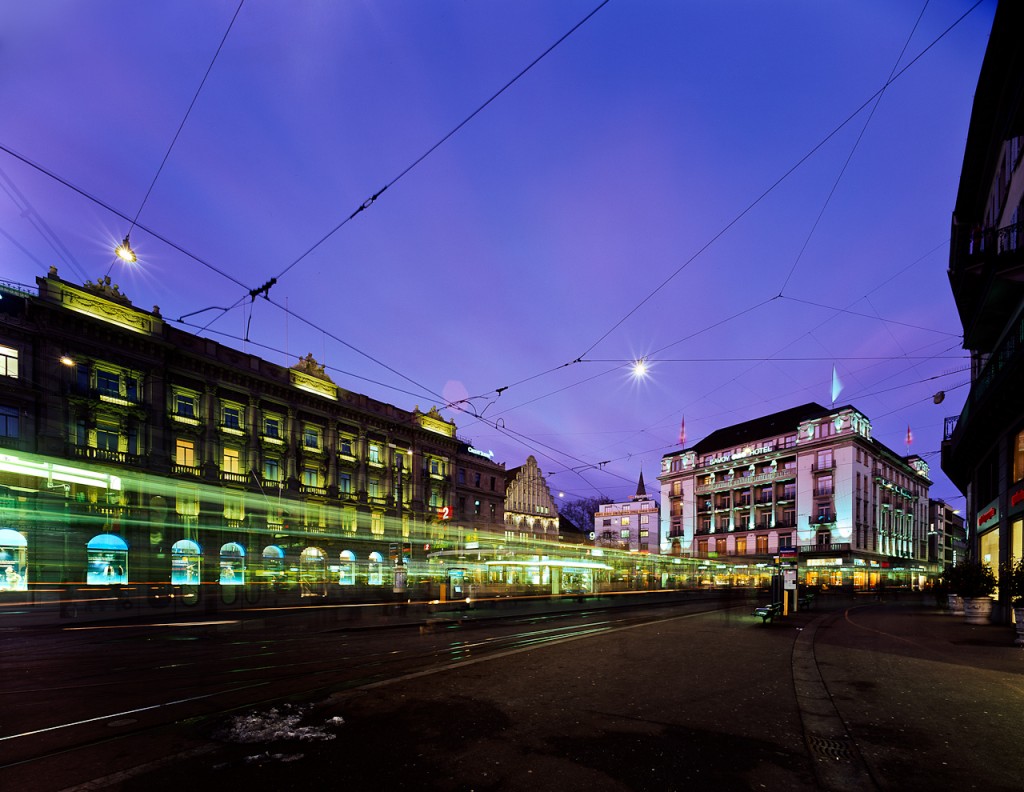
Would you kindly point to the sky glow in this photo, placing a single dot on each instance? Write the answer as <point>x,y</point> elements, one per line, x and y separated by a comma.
<point>635,195</point>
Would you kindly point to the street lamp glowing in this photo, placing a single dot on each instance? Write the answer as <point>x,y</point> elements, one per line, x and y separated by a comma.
<point>66,361</point>
<point>125,253</point>
<point>640,368</point>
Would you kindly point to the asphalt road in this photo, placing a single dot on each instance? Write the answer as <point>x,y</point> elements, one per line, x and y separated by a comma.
<point>892,697</point>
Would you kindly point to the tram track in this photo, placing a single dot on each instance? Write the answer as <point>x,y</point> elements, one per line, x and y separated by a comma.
<point>227,687</point>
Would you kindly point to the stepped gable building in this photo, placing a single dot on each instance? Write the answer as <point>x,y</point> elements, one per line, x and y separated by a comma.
<point>809,483</point>
<point>530,511</point>
<point>633,525</point>
<point>983,448</point>
<point>134,451</point>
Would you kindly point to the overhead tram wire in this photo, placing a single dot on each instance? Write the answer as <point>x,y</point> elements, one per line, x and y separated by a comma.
<point>781,179</point>
<point>869,316</point>
<point>118,213</point>
<point>893,77</point>
<point>283,353</point>
<point>849,157</point>
<point>29,213</point>
<point>181,126</point>
<point>373,198</point>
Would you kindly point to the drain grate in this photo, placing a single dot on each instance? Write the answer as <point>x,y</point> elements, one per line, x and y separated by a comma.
<point>831,748</point>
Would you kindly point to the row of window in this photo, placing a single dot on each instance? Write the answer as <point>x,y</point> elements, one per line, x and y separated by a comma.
<point>624,521</point>
<point>760,545</point>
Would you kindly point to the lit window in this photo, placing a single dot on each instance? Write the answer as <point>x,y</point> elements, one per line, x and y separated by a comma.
<point>232,460</point>
<point>374,452</point>
<point>271,470</point>
<point>311,477</point>
<point>373,488</point>
<point>8,422</point>
<point>625,520</point>
<point>8,362</point>
<point>1018,457</point>
<point>377,524</point>
<point>624,533</point>
<point>185,453</point>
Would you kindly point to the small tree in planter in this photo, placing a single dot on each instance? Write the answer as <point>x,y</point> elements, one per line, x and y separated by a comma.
<point>975,582</point>
<point>1011,579</point>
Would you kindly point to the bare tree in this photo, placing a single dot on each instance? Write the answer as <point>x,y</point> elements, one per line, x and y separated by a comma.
<point>580,512</point>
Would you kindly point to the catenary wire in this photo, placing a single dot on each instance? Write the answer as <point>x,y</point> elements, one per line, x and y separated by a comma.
<point>781,179</point>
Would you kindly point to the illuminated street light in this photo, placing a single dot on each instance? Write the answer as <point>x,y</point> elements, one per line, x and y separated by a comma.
<point>66,361</point>
<point>125,253</point>
<point>640,368</point>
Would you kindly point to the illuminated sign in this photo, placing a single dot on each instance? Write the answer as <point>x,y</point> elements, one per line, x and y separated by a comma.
<point>988,516</point>
<point>444,513</point>
<point>1017,500</point>
<point>741,453</point>
<point>478,452</point>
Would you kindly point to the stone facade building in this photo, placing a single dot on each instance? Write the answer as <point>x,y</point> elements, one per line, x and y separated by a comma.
<point>807,485</point>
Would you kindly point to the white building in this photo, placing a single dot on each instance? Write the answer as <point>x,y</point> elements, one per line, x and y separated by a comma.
<point>808,483</point>
<point>632,526</point>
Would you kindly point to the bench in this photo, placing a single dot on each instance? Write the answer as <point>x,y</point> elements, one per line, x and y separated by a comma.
<point>768,612</point>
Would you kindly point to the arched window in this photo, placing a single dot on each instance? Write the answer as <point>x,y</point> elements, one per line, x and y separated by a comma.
<point>186,563</point>
<point>232,564</point>
<point>313,572</point>
<point>347,570</point>
<point>13,561</point>
<point>375,573</point>
<point>273,562</point>
<point>107,560</point>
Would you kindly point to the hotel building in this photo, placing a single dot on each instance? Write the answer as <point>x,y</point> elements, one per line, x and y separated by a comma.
<point>808,485</point>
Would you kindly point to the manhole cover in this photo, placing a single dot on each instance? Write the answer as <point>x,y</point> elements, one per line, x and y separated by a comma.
<point>831,748</point>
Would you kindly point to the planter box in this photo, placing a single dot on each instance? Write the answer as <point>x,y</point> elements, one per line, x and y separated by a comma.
<point>977,610</point>
<point>956,604</point>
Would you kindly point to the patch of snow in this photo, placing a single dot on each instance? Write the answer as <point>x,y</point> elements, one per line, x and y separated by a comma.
<point>276,724</point>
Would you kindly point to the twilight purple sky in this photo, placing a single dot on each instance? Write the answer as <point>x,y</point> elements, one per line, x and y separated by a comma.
<point>593,212</point>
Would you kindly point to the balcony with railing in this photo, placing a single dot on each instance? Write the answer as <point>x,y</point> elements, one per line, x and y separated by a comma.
<point>825,547</point>
<point>106,455</point>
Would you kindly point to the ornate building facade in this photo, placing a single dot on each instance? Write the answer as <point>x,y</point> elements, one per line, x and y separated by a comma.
<point>135,451</point>
<point>530,511</point>
<point>809,485</point>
